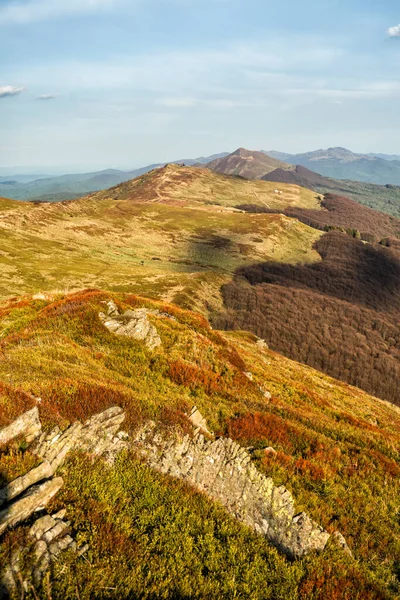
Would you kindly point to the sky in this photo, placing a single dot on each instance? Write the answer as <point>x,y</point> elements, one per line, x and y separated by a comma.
<point>88,84</point>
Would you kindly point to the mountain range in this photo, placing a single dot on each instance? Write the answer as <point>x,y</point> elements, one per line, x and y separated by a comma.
<point>362,174</point>
<point>340,163</point>
<point>70,186</point>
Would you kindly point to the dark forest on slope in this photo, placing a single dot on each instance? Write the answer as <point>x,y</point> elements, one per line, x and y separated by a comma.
<point>340,315</point>
<point>341,212</point>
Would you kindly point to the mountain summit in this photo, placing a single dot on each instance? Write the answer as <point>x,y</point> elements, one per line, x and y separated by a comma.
<point>247,163</point>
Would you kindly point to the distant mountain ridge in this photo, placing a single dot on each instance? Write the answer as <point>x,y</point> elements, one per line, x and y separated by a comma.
<point>74,185</point>
<point>385,198</point>
<point>341,163</point>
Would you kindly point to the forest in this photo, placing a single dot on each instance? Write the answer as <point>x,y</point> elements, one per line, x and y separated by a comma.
<point>343,214</point>
<point>339,315</point>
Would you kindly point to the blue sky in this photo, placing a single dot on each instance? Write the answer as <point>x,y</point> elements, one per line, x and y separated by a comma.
<point>123,83</point>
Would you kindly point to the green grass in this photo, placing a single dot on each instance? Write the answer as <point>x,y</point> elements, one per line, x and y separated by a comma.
<point>337,452</point>
<point>129,241</point>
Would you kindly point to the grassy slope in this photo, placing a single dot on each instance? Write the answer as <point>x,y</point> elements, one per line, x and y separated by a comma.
<point>151,538</point>
<point>171,233</point>
<point>379,197</point>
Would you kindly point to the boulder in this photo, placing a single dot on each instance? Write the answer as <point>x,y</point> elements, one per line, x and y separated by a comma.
<point>35,499</point>
<point>27,425</point>
<point>132,323</point>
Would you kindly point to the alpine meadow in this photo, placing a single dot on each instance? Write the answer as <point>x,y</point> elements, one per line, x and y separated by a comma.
<point>199,357</point>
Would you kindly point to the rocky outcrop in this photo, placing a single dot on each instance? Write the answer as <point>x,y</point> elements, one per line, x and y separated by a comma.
<point>27,425</point>
<point>31,492</point>
<point>50,537</point>
<point>132,323</point>
<point>218,467</point>
<point>224,471</point>
<point>99,436</point>
<point>33,500</point>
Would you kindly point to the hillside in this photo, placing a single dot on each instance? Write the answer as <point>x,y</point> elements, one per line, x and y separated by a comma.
<point>172,233</point>
<point>384,198</point>
<point>246,163</point>
<point>339,315</point>
<point>344,214</point>
<point>149,535</point>
<point>340,163</point>
<point>175,234</point>
<point>70,186</point>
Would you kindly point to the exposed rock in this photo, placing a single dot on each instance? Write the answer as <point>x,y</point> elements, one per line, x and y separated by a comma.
<point>19,485</point>
<point>98,436</point>
<point>27,425</point>
<point>262,344</point>
<point>270,451</point>
<point>340,541</point>
<point>35,499</point>
<point>132,323</point>
<point>25,495</point>
<point>223,470</point>
<point>198,421</point>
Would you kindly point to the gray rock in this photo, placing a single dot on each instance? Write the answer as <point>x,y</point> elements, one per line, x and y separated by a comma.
<point>27,425</point>
<point>36,498</point>
<point>197,419</point>
<point>98,436</point>
<point>224,471</point>
<point>132,323</point>
<point>19,485</point>
<point>340,541</point>
<point>42,525</point>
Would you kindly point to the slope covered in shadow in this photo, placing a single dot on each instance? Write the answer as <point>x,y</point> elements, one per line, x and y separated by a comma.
<point>340,212</point>
<point>340,315</point>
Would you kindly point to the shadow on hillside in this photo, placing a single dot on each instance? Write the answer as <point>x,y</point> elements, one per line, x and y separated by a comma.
<point>350,270</point>
<point>339,315</point>
<point>205,248</point>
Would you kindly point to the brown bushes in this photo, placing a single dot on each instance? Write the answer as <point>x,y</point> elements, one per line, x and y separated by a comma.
<point>340,315</point>
<point>341,213</point>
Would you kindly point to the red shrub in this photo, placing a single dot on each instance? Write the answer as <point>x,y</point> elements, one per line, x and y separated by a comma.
<point>191,376</point>
<point>256,427</point>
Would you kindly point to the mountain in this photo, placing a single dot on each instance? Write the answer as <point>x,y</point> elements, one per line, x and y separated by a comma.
<point>340,163</point>
<point>385,198</point>
<point>70,186</point>
<point>198,455</point>
<point>385,156</point>
<point>246,163</point>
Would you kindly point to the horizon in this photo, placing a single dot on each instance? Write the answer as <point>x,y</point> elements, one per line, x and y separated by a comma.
<point>59,170</point>
<point>101,84</point>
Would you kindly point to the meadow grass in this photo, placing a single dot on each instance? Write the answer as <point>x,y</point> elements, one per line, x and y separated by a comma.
<point>151,537</point>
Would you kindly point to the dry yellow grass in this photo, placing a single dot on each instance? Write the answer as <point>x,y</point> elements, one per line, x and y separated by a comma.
<point>164,234</point>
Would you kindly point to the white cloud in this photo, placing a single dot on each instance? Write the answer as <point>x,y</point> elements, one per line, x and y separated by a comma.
<point>46,97</point>
<point>18,12</point>
<point>394,31</point>
<point>10,90</point>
